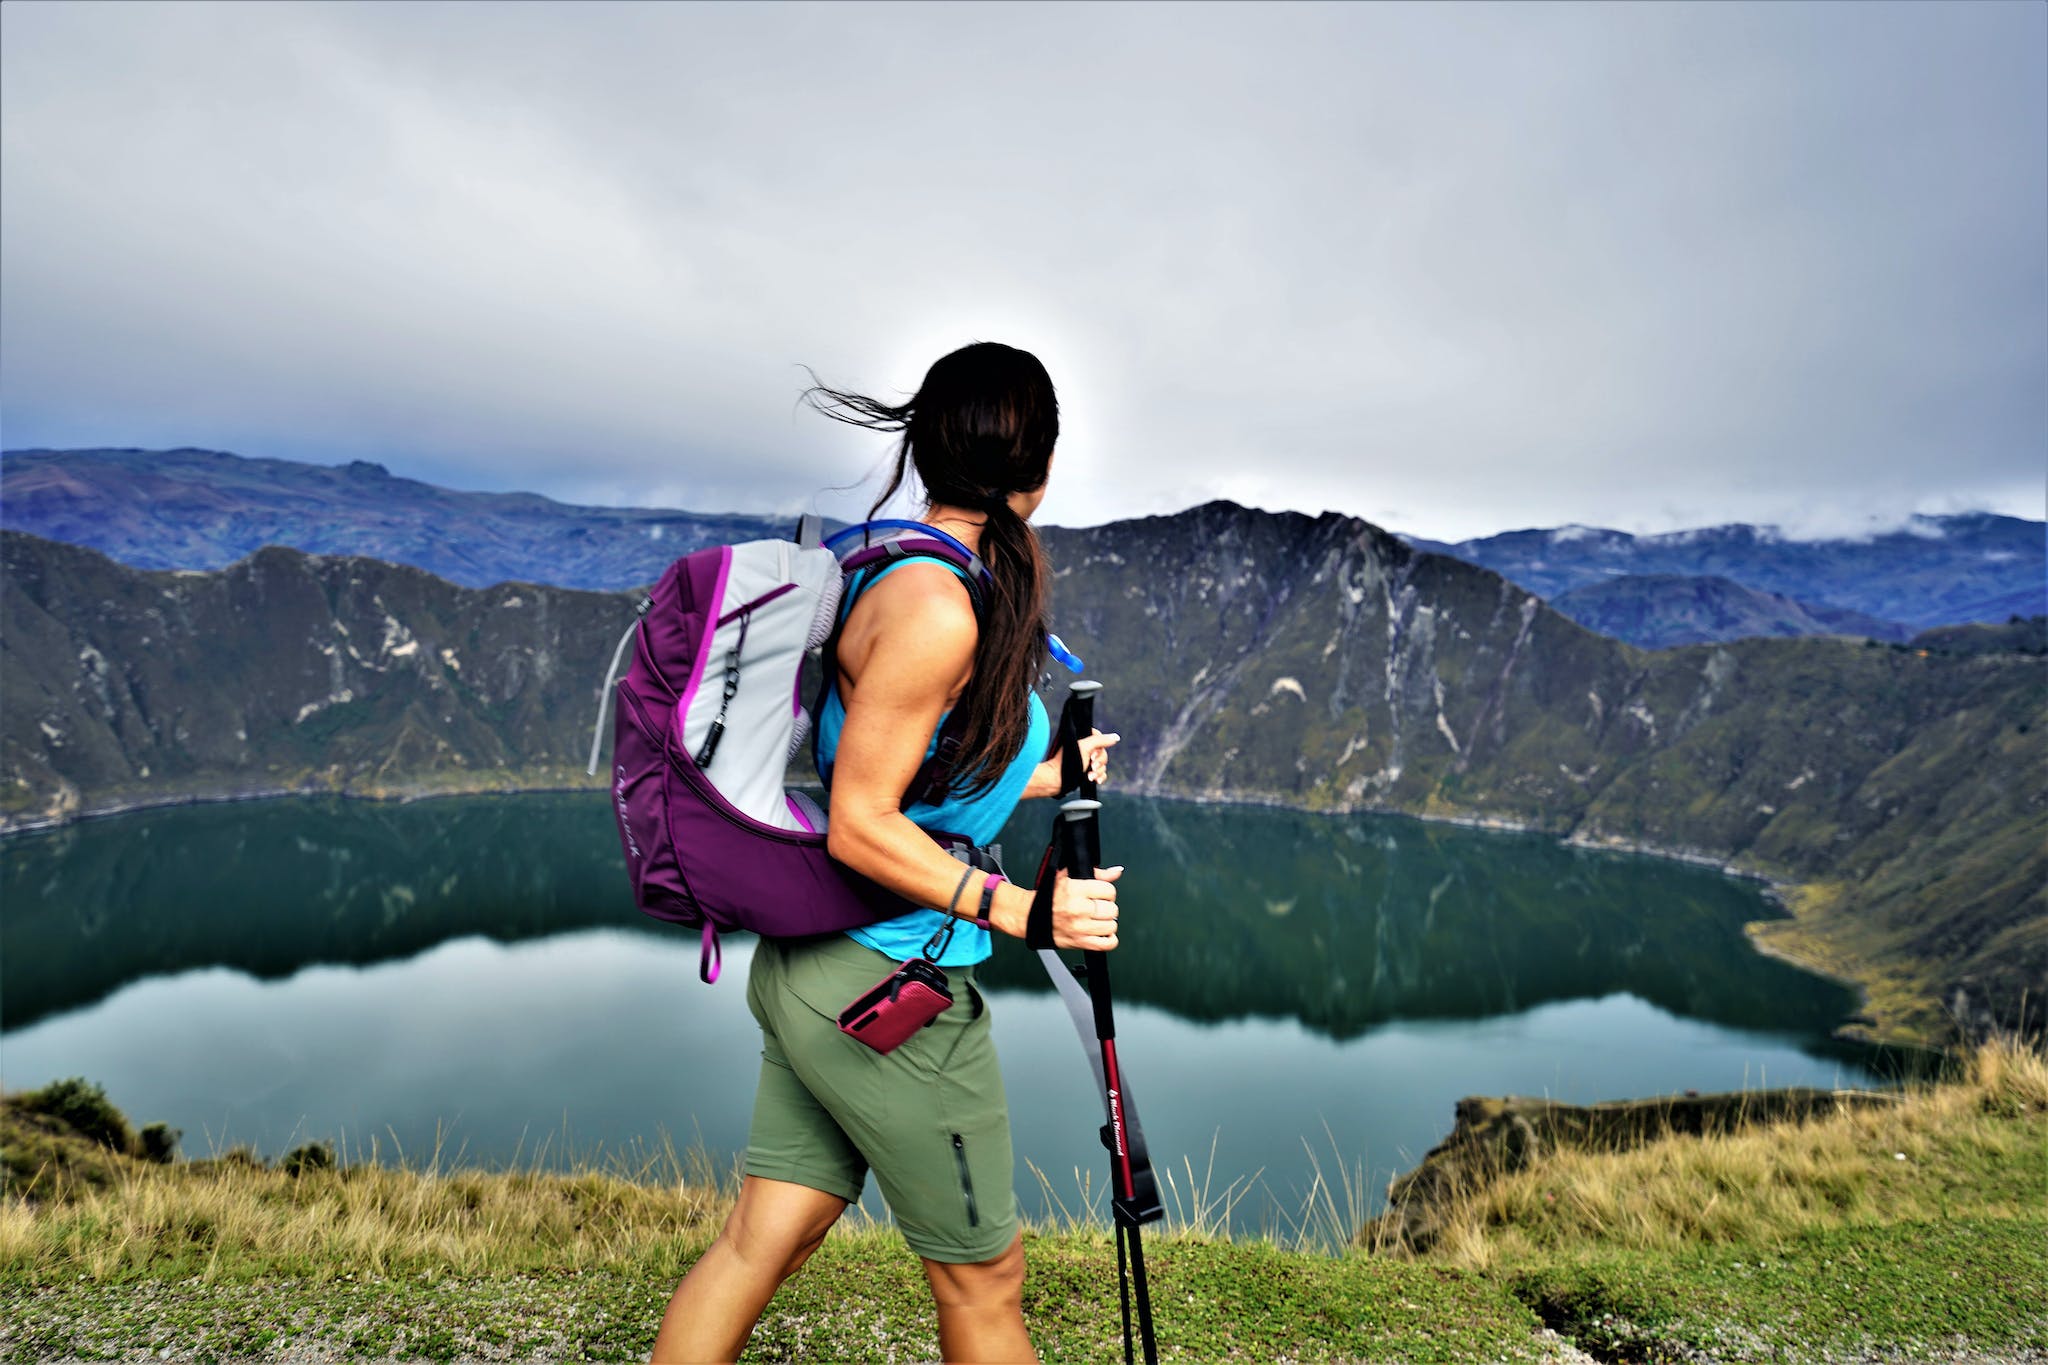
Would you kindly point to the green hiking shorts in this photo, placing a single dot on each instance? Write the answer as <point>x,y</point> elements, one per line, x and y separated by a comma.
<point>929,1118</point>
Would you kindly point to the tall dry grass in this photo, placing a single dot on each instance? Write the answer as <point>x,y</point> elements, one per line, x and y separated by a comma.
<point>224,1216</point>
<point>1973,1145</point>
<point>1943,1149</point>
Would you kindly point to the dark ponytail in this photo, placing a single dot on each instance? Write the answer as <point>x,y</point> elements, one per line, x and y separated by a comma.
<point>980,427</point>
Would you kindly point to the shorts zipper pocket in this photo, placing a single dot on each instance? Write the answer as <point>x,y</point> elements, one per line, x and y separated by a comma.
<point>966,1181</point>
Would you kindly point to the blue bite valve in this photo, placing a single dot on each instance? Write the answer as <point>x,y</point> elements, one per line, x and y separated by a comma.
<point>1062,653</point>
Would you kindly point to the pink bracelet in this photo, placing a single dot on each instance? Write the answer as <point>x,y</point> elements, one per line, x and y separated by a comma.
<point>988,899</point>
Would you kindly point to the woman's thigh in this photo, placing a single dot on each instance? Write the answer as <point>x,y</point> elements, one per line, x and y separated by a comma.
<point>930,1118</point>
<point>793,1138</point>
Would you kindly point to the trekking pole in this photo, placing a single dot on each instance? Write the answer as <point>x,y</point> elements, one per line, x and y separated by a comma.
<point>1134,1198</point>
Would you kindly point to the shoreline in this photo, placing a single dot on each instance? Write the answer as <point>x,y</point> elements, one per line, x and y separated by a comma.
<point>1773,885</point>
<point>1855,1029</point>
<point>8,829</point>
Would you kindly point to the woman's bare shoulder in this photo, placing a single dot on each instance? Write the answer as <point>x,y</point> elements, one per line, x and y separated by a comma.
<point>922,611</point>
<point>925,595</point>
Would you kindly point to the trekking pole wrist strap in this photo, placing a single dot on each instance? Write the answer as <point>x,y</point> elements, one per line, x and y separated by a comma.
<point>1038,927</point>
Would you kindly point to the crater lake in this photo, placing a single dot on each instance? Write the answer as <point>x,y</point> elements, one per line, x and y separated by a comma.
<point>1300,998</point>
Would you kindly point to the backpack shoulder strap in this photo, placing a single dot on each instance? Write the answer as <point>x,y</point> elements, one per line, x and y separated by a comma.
<point>862,567</point>
<point>973,574</point>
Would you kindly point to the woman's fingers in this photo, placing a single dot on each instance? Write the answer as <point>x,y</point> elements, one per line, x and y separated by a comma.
<point>1085,910</point>
<point>1094,898</point>
<point>1095,753</point>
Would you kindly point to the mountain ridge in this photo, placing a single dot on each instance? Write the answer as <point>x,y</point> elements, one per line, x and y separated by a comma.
<point>192,508</point>
<point>1933,570</point>
<point>1657,611</point>
<point>196,508</point>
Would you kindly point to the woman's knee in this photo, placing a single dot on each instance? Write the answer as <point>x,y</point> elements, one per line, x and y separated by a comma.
<point>778,1252</point>
<point>997,1282</point>
<point>777,1235</point>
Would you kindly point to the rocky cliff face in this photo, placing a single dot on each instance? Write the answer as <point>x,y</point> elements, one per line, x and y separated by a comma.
<point>283,672</point>
<point>1324,663</point>
<point>1313,662</point>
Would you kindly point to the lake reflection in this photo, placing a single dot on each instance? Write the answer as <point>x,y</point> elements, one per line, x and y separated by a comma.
<point>473,968</point>
<point>1344,923</point>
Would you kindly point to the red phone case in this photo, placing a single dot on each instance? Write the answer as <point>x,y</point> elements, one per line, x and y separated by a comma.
<point>899,1005</point>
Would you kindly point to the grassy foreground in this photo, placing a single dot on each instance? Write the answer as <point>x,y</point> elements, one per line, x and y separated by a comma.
<point>1914,1231</point>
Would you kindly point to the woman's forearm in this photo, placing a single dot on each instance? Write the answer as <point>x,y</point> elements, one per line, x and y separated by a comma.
<point>891,851</point>
<point>1045,780</point>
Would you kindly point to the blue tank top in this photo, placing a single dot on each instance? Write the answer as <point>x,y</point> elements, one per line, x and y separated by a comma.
<point>979,819</point>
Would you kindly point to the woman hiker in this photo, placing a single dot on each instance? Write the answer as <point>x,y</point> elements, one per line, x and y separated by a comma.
<point>929,1118</point>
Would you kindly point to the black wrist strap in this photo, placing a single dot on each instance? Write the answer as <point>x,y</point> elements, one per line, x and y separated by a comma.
<point>1038,928</point>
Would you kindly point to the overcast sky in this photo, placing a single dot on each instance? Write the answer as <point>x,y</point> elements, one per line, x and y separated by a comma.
<point>1452,268</point>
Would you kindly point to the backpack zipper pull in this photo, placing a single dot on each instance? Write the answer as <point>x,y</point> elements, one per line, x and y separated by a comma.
<point>732,685</point>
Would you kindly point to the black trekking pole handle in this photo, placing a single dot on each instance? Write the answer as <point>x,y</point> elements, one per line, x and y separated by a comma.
<point>1077,722</point>
<point>1080,837</point>
<point>1080,853</point>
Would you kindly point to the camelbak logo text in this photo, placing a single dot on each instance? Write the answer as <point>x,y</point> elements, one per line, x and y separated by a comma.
<point>625,821</point>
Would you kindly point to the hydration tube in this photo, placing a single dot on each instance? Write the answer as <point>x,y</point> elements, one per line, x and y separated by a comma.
<point>832,542</point>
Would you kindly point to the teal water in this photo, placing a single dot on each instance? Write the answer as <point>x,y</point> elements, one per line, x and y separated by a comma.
<point>1294,991</point>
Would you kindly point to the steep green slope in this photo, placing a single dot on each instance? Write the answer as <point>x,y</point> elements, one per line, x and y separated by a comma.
<point>283,672</point>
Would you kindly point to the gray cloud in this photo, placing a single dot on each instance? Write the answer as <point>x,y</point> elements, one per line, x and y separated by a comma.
<point>1451,268</point>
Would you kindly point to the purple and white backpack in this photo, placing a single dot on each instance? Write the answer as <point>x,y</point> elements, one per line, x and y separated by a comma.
<point>710,712</point>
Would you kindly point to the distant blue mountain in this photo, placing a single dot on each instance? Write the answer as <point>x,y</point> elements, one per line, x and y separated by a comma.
<point>1658,611</point>
<point>1936,570</point>
<point>205,509</point>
